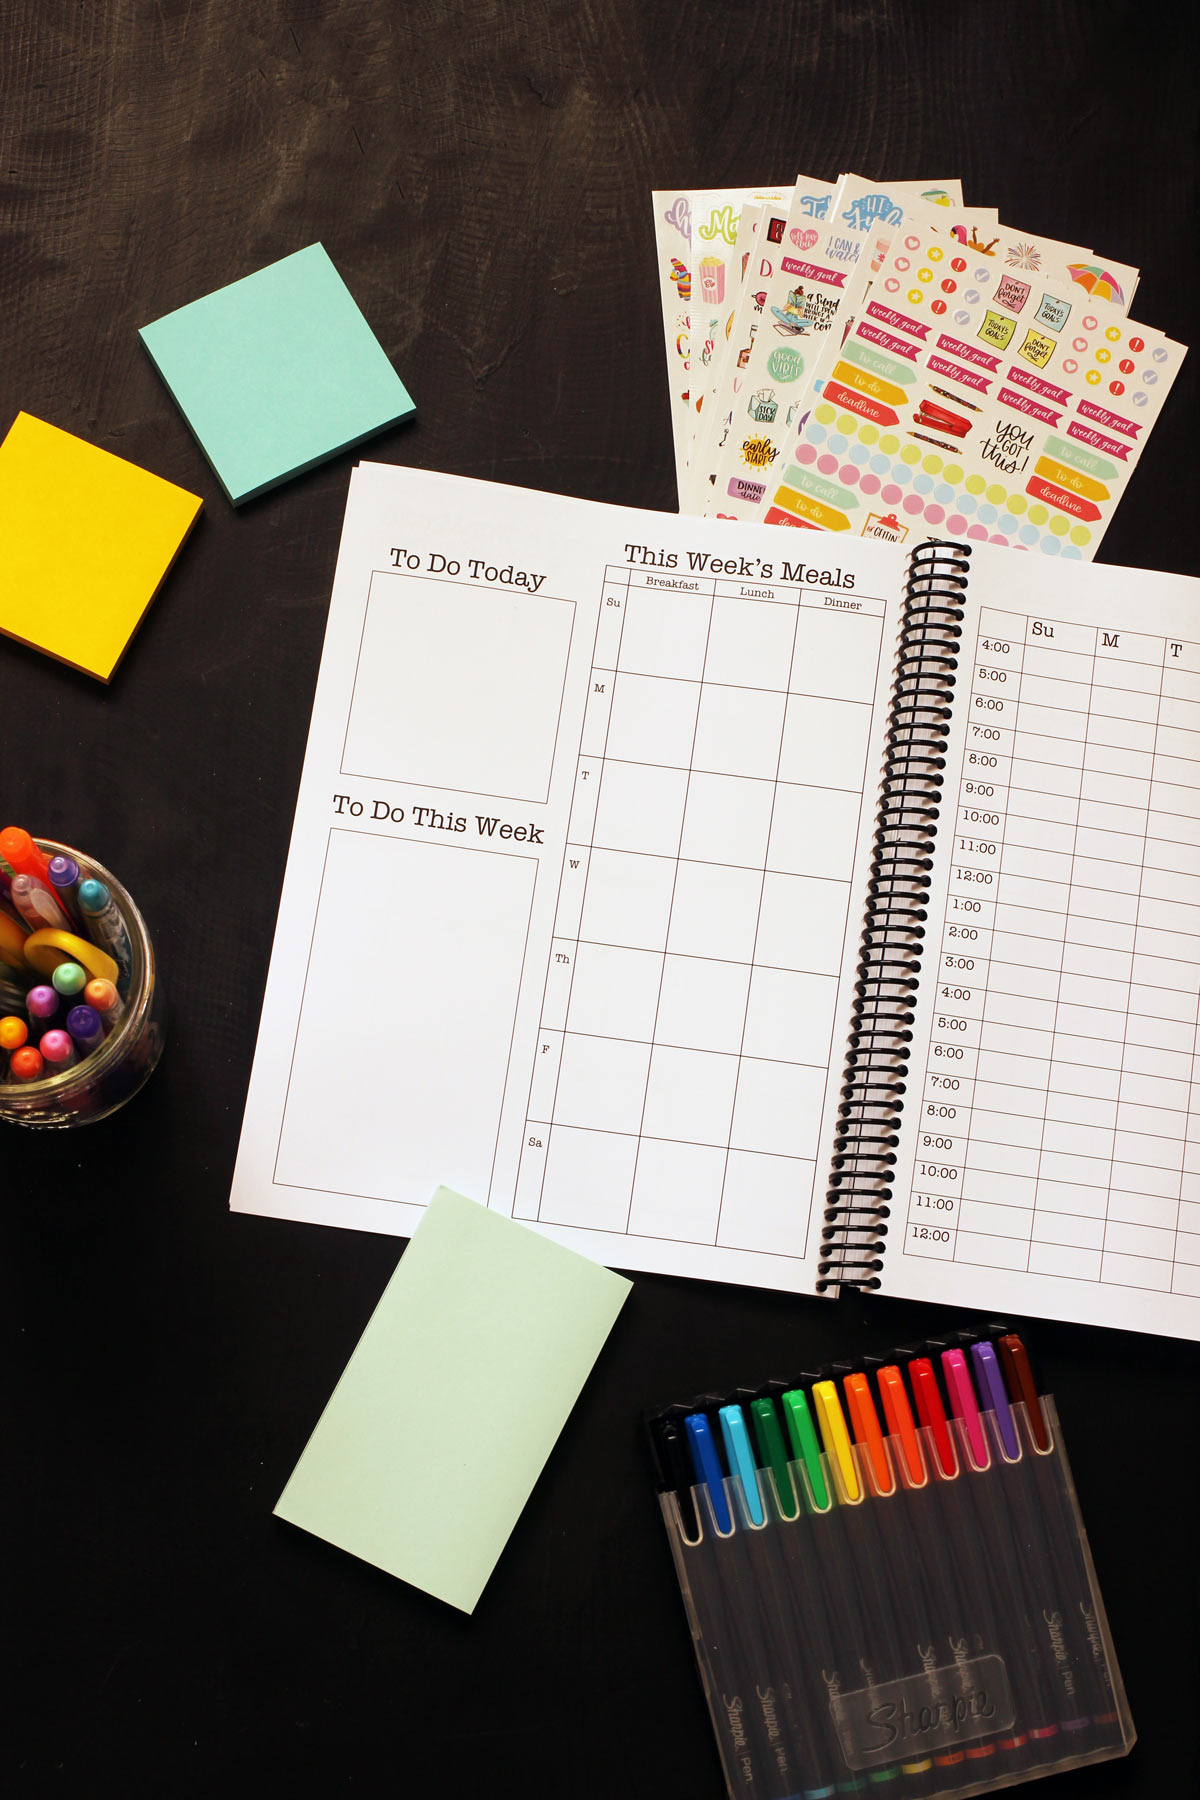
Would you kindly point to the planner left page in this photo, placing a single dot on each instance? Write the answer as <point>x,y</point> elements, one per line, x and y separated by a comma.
<point>570,878</point>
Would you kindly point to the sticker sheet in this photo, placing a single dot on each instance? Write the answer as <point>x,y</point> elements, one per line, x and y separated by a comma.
<point>978,399</point>
<point>673,250</point>
<point>715,301</point>
<point>808,202</point>
<point>801,301</point>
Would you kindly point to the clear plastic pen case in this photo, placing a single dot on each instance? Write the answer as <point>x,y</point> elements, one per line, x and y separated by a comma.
<point>943,1636</point>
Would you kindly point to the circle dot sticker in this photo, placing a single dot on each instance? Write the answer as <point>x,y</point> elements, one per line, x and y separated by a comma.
<point>932,465</point>
<point>1069,365</point>
<point>953,473</point>
<point>924,274</point>
<point>962,316</point>
<point>935,253</point>
<point>1136,344</point>
<point>846,423</point>
<point>869,484</point>
<point>825,413</point>
<point>912,243</point>
<point>807,453</point>
<point>1080,535</point>
<point>1149,377</point>
<point>1113,335</point>
<point>913,503</point>
<point>868,433</point>
<point>949,286</point>
<point>1141,397</point>
<point>837,443</point>
<point>1089,323</point>
<point>1126,365</point>
<point>902,263</point>
<point>827,464</point>
<point>785,364</point>
<point>983,276</point>
<point>956,524</point>
<point>848,475</point>
<point>922,484</point>
<point>890,494</point>
<point>1060,526</point>
<point>915,296</point>
<point>1038,515</point>
<point>935,514</point>
<point>975,484</point>
<point>892,285</point>
<point>859,454</point>
<point>1160,354</point>
<point>937,306</point>
<point>1116,387</point>
<point>971,296</point>
<point>889,444</point>
<point>1093,376</point>
<point>996,495</point>
<point>958,264</point>
<point>910,455</point>
<point>1017,503</point>
<point>1103,356</point>
<point>1080,344</point>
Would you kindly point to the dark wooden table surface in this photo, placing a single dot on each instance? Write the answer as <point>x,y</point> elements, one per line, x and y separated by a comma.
<point>481,176</point>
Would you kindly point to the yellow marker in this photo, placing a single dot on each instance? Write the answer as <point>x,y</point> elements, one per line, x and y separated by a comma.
<point>44,950</point>
<point>85,541</point>
<point>12,942</point>
<point>1071,479</point>
<point>835,1437</point>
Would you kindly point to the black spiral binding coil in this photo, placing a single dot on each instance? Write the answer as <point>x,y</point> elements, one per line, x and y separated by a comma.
<point>860,1185</point>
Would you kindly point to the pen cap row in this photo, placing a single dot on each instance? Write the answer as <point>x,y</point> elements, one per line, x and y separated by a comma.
<point>852,1432</point>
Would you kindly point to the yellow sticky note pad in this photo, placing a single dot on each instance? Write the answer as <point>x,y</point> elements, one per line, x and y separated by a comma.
<point>86,540</point>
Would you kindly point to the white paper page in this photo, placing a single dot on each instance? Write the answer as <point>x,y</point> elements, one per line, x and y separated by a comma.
<point>569,880</point>
<point>1050,1154</point>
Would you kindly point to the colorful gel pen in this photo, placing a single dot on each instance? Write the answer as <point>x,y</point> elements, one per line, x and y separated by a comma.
<point>41,1003</point>
<point>22,854</point>
<point>58,1051</point>
<point>63,875</point>
<point>69,979</point>
<point>108,1003</point>
<point>38,904</point>
<point>13,1033</point>
<point>26,1064</point>
<point>86,1029</point>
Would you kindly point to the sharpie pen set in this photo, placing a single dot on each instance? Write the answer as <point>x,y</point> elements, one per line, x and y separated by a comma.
<point>887,1579</point>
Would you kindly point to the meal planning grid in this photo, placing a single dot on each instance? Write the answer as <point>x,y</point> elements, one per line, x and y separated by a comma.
<point>688,1024</point>
<point>1060,1126</point>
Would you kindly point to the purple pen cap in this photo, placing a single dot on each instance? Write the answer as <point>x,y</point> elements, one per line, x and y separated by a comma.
<point>41,1002</point>
<point>85,1026</point>
<point>64,871</point>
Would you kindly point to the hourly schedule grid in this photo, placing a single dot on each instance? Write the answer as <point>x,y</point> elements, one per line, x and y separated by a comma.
<point>1055,1129</point>
<point>570,883</point>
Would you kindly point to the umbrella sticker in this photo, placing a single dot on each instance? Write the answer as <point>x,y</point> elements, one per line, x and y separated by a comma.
<point>1097,281</point>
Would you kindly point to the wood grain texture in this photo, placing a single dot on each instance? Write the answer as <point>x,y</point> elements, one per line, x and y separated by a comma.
<point>480,175</point>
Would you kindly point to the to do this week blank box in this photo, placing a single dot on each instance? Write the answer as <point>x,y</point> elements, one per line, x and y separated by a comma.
<point>438,655</point>
<point>387,1046</point>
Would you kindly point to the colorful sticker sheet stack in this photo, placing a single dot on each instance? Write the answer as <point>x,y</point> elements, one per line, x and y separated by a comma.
<point>894,363</point>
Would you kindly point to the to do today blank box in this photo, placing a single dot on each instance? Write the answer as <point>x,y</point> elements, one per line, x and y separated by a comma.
<point>435,653</point>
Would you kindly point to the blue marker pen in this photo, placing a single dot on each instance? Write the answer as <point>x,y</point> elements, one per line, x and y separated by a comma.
<point>105,925</point>
<point>707,1465</point>
<point>741,1461</point>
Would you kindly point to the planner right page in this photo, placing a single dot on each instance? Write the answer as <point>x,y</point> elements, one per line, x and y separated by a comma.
<point>1049,1158</point>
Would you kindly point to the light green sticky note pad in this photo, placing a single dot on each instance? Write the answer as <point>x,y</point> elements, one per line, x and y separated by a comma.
<point>276,372</point>
<point>453,1399</point>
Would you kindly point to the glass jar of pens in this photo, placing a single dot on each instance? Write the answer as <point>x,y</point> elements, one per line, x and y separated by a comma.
<point>81,1008</point>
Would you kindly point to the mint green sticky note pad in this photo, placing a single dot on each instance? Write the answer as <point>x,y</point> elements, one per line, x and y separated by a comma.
<point>433,1438</point>
<point>276,372</point>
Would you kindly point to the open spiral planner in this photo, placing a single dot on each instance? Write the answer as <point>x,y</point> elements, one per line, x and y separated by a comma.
<point>797,912</point>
